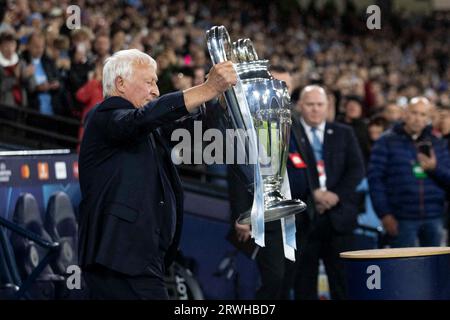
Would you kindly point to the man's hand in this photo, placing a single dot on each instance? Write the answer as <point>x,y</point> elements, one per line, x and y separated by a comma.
<point>53,85</point>
<point>320,208</point>
<point>28,71</point>
<point>43,87</point>
<point>63,63</point>
<point>390,225</point>
<point>331,199</point>
<point>427,163</point>
<point>243,231</point>
<point>221,77</point>
<point>325,200</point>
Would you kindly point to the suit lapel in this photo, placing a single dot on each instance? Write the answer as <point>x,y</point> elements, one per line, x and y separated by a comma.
<point>328,143</point>
<point>306,152</point>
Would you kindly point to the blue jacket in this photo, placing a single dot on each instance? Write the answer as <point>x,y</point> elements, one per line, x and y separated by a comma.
<point>393,187</point>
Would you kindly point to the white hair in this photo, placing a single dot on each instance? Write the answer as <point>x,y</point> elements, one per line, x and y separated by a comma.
<point>312,87</point>
<point>121,64</point>
<point>419,99</point>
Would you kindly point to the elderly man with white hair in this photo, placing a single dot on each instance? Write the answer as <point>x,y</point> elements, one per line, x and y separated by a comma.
<point>409,173</point>
<point>132,202</point>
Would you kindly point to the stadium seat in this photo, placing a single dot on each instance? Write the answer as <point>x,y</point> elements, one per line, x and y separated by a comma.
<point>61,224</point>
<point>28,253</point>
<point>8,284</point>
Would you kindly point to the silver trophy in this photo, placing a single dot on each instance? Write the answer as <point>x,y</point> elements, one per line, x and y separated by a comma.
<point>269,104</point>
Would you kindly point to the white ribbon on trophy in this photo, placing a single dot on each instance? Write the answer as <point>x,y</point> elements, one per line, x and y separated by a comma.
<point>257,211</point>
<point>288,224</point>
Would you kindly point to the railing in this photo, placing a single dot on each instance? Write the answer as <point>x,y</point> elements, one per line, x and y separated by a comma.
<point>30,128</point>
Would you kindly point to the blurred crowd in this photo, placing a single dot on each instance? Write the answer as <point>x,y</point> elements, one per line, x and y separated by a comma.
<point>368,73</point>
<point>370,76</point>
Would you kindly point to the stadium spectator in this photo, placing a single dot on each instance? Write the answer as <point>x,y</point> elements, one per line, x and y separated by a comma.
<point>444,125</point>
<point>353,117</point>
<point>41,77</point>
<point>331,107</point>
<point>102,46</point>
<point>349,61</point>
<point>11,91</point>
<point>90,94</point>
<point>409,173</point>
<point>376,127</point>
<point>445,131</point>
<point>393,113</point>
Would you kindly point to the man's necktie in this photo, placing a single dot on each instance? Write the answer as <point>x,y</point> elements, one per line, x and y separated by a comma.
<point>316,144</point>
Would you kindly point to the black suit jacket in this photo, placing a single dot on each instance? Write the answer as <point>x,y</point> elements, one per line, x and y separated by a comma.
<point>344,170</point>
<point>122,208</point>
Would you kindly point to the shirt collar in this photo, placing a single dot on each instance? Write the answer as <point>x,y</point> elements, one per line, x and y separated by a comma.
<point>320,127</point>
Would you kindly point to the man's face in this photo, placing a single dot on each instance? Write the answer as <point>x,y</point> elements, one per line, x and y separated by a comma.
<point>314,107</point>
<point>445,122</point>
<point>417,117</point>
<point>353,110</point>
<point>435,117</point>
<point>284,76</point>
<point>36,47</point>
<point>141,88</point>
<point>393,112</point>
<point>7,48</point>
<point>102,45</point>
<point>375,132</point>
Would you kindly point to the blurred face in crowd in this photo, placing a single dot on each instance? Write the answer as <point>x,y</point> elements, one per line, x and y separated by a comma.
<point>102,45</point>
<point>353,110</point>
<point>36,46</point>
<point>417,115</point>
<point>8,48</point>
<point>435,116</point>
<point>182,81</point>
<point>118,40</point>
<point>393,112</point>
<point>375,131</point>
<point>445,122</point>
<point>313,105</point>
<point>199,76</point>
<point>284,76</point>
<point>141,87</point>
<point>331,114</point>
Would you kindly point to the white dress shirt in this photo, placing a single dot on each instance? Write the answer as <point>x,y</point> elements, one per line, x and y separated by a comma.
<point>320,131</point>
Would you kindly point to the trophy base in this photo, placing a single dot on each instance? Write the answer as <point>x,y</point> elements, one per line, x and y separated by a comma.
<point>282,209</point>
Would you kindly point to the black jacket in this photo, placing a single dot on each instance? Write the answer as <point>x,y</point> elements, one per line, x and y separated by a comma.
<point>344,170</point>
<point>52,74</point>
<point>123,208</point>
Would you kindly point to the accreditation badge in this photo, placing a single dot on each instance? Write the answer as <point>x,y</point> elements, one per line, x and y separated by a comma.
<point>322,174</point>
<point>297,160</point>
<point>418,171</point>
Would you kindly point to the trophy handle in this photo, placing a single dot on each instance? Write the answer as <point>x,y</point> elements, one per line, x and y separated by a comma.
<point>219,45</point>
<point>244,50</point>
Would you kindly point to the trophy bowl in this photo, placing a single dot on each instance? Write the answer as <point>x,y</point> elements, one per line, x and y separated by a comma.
<point>272,120</point>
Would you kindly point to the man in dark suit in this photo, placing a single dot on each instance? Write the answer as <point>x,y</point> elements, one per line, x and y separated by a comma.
<point>325,166</point>
<point>132,202</point>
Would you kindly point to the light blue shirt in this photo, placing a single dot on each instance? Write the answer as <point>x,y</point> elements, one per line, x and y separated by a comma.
<point>45,99</point>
